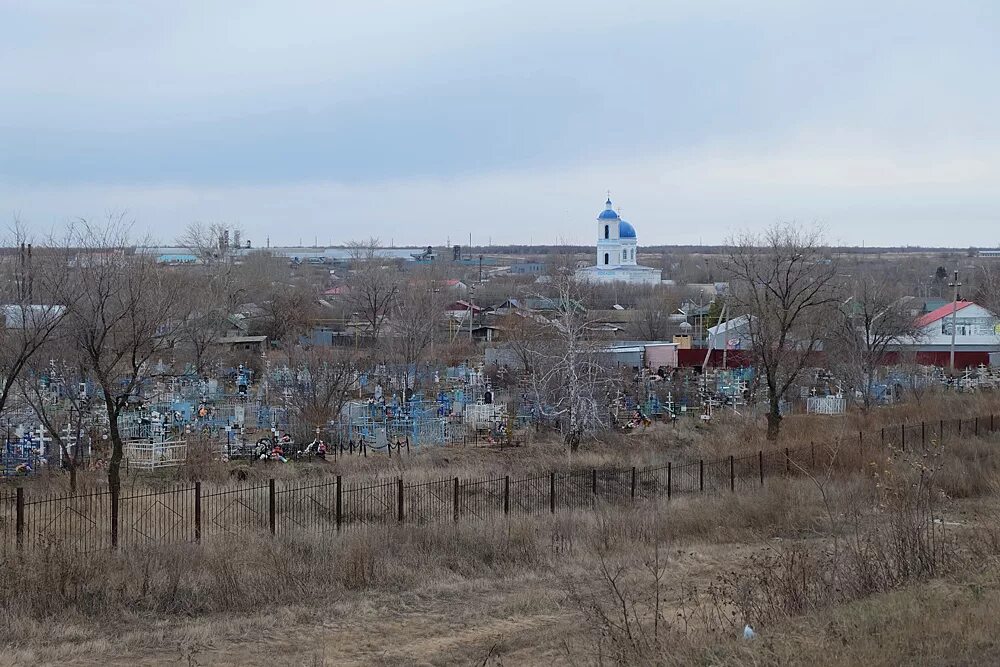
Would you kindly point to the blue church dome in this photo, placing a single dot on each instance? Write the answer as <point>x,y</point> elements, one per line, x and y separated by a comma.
<point>608,213</point>
<point>625,230</point>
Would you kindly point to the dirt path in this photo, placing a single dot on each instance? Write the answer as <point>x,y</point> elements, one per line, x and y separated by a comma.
<point>524,619</point>
<point>419,638</point>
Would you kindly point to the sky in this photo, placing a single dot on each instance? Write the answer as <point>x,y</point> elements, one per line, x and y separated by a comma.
<point>424,122</point>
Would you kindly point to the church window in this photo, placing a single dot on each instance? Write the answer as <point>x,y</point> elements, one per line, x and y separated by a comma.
<point>607,231</point>
<point>624,254</point>
<point>606,258</point>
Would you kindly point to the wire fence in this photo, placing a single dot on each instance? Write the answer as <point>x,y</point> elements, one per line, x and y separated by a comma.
<point>102,519</point>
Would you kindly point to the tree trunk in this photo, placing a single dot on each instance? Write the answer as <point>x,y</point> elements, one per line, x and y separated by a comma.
<point>869,385</point>
<point>572,439</point>
<point>773,420</point>
<point>66,460</point>
<point>117,450</point>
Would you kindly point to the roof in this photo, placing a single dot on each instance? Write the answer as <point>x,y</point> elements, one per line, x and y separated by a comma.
<point>238,321</point>
<point>541,303</point>
<point>942,312</point>
<point>691,309</point>
<point>934,304</point>
<point>609,212</point>
<point>237,340</point>
<point>729,325</point>
<point>625,230</point>
<point>464,306</point>
<point>611,315</point>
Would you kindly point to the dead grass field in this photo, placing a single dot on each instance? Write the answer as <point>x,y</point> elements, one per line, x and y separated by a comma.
<point>651,583</point>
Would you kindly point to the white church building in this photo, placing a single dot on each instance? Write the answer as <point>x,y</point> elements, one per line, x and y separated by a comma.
<point>616,249</point>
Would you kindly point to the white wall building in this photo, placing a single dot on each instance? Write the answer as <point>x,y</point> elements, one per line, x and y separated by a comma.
<point>732,334</point>
<point>615,257</point>
<point>976,329</point>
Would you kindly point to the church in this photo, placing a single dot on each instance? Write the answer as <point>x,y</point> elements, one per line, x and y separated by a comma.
<point>616,249</point>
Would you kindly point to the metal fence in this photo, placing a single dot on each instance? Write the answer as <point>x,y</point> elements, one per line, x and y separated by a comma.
<point>190,513</point>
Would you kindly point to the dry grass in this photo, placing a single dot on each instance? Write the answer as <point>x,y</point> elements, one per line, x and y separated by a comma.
<point>524,591</point>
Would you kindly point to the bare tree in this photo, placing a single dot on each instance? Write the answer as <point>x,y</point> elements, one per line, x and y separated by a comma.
<point>122,307</point>
<point>872,323</point>
<point>62,406</point>
<point>987,293</point>
<point>523,333</point>
<point>211,243</point>
<point>570,379</point>
<point>322,386</point>
<point>651,316</point>
<point>783,280</point>
<point>30,313</point>
<point>289,310</point>
<point>205,303</point>
<point>416,315</point>
<point>372,285</point>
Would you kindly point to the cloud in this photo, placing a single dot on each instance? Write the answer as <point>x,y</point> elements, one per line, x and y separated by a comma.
<point>860,191</point>
<point>424,121</point>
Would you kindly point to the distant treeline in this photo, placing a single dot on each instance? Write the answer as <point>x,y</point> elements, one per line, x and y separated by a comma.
<point>697,249</point>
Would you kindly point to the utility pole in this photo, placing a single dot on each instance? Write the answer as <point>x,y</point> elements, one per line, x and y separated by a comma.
<point>725,340</point>
<point>954,320</point>
<point>472,308</point>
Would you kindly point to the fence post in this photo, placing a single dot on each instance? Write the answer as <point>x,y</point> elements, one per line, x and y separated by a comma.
<point>701,474</point>
<point>959,426</point>
<point>976,433</point>
<point>941,432</point>
<point>115,496</point>
<point>923,435</point>
<point>732,474</point>
<point>788,462</point>
<point>552,492</point>
<point>197,511</point>
<point>340,502</point>
<point>991,421</point>
<point>19,522</point>
<point>506,494</point>
<point>272,513</point>
<point>883,437</point>
<point>399,499</point>
<point>454,499</point>
<point>670,478</point>
<point>760,465</point>
<point>632,487</point>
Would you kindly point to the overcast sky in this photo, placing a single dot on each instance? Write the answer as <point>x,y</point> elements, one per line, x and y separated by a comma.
<point>420,122</point>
